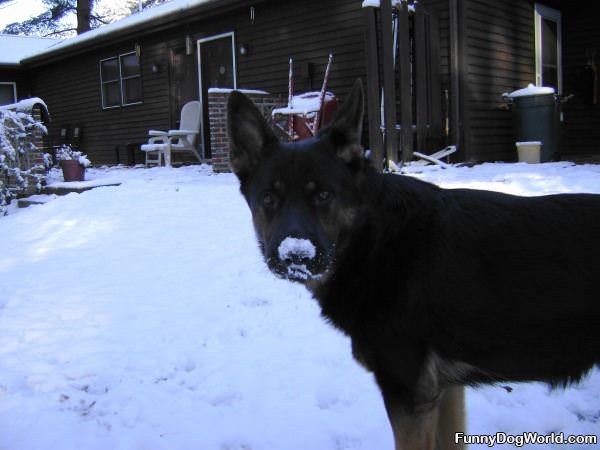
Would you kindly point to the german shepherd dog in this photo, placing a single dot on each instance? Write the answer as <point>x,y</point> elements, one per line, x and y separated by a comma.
<point>437,288</point>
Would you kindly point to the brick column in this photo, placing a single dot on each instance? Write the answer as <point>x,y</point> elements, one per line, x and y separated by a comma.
<point>217,118</point>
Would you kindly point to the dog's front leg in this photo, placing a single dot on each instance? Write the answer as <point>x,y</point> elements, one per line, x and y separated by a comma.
<point>451,418</point>
<point>413,429</point>
<point>429,426</point>
<point>414,424</point>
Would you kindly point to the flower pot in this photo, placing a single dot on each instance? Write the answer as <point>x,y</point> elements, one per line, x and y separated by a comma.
<point>72,170</point>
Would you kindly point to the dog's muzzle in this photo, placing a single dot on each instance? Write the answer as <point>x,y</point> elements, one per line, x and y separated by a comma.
<point>297,259</point>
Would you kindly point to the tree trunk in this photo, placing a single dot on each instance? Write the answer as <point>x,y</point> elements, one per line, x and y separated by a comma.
<point>84,10</point>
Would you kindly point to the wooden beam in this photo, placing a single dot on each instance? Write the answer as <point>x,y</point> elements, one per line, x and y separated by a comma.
<point>406,94</point>
<point>433,67</point>
<point>421,76</point>
<point>389,90</point>
<point>373,88</point>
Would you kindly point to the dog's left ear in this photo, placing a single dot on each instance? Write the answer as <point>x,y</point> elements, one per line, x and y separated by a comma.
<point>346,129</point>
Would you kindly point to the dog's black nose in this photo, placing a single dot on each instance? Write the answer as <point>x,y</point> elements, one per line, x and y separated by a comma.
<point>296,249</point>
<point>297,259</point>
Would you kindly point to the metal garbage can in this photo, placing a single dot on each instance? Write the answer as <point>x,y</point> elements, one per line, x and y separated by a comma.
<point>537,118</point>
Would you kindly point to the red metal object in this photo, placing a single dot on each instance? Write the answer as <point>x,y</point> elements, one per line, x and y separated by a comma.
<point>306,113</point>
<point>305,125</point>
<point>322,94</point>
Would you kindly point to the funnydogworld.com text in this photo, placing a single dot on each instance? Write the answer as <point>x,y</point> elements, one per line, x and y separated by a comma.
<point>519,440</point>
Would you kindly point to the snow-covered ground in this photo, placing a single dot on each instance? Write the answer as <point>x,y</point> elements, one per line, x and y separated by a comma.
<point>141,316</point>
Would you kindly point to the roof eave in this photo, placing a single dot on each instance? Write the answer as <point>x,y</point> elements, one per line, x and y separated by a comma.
<point>135,31</point>
<point>5,65</point>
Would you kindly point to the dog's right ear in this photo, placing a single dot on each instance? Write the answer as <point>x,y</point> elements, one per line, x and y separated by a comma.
<point>346,129</point>
<point>249,135</point>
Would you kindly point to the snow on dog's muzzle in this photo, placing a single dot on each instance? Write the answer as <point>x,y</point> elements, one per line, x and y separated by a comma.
<point>297,259</point>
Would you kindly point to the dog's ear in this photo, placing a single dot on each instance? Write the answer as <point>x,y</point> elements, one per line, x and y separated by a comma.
<point>346,129</point>
<point>249,134</point>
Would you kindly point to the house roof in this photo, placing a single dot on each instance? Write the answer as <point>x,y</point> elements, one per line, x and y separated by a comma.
<point>152,19</point>
<point>15,48</point>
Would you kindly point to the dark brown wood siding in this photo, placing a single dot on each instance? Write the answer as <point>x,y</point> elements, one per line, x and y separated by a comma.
<point>581,45</point>
<point>499,46</point>
<point>71,89</point>
<point>307,31</point>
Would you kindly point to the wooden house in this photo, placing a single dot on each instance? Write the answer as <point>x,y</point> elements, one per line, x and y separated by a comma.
<point>452,65</point>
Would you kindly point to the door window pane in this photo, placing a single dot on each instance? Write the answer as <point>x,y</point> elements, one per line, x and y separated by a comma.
<point>548,47</point>
<point>549,43</point>
<point>217,61</point>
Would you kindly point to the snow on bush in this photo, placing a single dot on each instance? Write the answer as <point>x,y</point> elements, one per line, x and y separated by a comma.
<point>16,146</point>
<point>66,153</point>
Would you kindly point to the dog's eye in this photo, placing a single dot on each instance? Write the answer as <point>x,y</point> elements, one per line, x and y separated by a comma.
<point>268,199</point>
<point>323,196</point>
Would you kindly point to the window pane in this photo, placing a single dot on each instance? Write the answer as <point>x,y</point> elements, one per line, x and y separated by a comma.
<point>7,94</point>
<point>110,69</point>
<point>217,63</point>
<point>130,65</point>
<point>549,43</point>
<point>111,94</point>
<point>550,77</point>
<point>132,90</point>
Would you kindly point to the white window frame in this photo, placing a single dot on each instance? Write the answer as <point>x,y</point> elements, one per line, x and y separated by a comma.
<point>14,85</point>
<point>122,104</point>
<point>199,42</point>
<point>545,12</point>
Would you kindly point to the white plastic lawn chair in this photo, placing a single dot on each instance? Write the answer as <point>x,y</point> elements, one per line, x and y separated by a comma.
<point>434,158</point>
<point>164,143</point>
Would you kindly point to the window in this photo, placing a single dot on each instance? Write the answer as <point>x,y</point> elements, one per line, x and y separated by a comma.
<point>8,93</point>
<point>121,80</point>
<point>131,80</point>
<point>548,37</point>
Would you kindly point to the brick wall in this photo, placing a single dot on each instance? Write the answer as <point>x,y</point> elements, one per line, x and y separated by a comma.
<point>217,116</point>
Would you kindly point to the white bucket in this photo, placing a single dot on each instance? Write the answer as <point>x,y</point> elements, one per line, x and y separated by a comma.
<point>529,152</point>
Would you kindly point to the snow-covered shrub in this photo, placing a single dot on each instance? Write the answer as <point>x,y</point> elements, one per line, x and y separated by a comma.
<point>66,153</point>
<point>17,145</point>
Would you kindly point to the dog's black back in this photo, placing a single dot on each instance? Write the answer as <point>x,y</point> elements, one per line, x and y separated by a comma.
<point>436,287</point>
<point>473,275</point>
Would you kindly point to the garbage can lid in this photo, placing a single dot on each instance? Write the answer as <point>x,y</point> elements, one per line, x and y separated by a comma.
<point>531,90</point>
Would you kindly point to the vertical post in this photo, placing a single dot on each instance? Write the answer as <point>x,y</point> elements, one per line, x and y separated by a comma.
<point>435,84</point>
<point>291,101</point>
<point>373,88</point>
<point>406,94</point>
<point>389,90</point>
<point>455,119</point>
<point>421,76</point>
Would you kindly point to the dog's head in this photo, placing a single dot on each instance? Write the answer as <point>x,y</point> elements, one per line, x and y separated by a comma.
<point>303,196</point>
